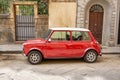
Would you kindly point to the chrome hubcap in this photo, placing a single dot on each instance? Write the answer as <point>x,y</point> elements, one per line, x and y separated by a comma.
<point>34,58</point>
<point>91,56</point>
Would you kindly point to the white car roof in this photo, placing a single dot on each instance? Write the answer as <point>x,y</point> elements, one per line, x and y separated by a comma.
<point>71,29</point>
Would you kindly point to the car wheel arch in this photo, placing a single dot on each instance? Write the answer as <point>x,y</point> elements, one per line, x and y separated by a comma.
<point>36,50</point>
<point>89,50</point>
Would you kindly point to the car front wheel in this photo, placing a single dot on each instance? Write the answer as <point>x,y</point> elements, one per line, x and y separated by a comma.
<point>34,57</point>
<point>90,56</point>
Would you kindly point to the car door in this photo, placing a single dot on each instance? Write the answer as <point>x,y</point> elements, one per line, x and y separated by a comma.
<point>80,42</point>
<point>58,45</point>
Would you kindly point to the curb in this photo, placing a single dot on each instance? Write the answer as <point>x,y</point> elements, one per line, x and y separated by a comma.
<point>11,52</point>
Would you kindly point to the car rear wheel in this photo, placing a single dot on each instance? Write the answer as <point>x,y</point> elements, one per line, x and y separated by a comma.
<point>90,56</point>
<point>34,57</point>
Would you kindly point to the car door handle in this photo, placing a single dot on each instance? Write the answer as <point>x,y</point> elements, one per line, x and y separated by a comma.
<point>69,44</point>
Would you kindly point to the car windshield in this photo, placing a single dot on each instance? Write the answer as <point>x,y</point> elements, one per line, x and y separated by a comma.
<point>45,36</point>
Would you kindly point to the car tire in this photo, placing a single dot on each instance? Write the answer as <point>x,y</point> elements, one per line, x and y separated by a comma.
<point>90,56</point>
<point>34,57</point>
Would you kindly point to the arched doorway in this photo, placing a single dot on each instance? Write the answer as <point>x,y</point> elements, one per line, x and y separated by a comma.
<point>96,13</point>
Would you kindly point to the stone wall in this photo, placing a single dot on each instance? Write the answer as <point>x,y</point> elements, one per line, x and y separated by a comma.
<point>42,25</point>
<point>6,34</point>
<point>7,28</point>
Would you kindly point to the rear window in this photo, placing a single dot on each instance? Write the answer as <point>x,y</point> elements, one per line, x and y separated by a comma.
<point>80,35</point>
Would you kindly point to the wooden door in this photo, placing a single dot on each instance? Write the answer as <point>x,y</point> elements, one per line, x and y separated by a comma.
<point>96,22</point>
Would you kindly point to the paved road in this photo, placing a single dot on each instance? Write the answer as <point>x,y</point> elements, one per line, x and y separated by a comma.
<point>16,67</point>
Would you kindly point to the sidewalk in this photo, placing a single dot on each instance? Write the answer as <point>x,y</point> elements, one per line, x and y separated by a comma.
<point>11,48</point>
<point>111,50</point>
<point>18,48</point>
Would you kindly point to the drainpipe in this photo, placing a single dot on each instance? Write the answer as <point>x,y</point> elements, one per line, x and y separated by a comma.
<point>117,24</point>
<point>76,12</point>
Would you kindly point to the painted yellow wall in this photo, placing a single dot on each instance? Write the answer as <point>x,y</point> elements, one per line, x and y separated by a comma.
<point>62,14</point>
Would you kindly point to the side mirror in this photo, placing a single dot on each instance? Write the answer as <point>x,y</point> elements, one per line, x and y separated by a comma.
<point>49,40</point>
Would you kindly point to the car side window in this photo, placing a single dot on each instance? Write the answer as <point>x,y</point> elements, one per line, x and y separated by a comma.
<point>80,35</point>
<point>60,36</point>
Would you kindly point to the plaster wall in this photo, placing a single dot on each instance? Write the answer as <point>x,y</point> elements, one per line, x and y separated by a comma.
<point>62,14</point>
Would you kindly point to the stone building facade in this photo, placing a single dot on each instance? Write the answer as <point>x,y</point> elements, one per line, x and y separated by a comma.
<point>87,11</point>
<point>100,16</point>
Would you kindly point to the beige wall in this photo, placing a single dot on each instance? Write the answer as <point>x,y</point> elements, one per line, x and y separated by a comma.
<point>62,14</point>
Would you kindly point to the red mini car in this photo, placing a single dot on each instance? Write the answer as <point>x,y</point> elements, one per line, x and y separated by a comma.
<point>63,43</point>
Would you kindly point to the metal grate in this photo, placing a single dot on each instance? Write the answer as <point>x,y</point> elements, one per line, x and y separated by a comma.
<point>96,8</point>
<point>25,23</point>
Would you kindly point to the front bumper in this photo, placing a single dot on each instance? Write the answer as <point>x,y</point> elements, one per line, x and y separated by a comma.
<point>23,53</point>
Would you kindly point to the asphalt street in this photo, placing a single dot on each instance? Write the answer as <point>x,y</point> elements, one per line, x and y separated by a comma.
<point>16,67</point>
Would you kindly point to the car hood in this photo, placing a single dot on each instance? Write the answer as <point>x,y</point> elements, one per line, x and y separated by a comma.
<point>40,40</point>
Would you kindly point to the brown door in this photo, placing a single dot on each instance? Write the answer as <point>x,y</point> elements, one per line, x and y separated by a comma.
<point>96,22</point>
